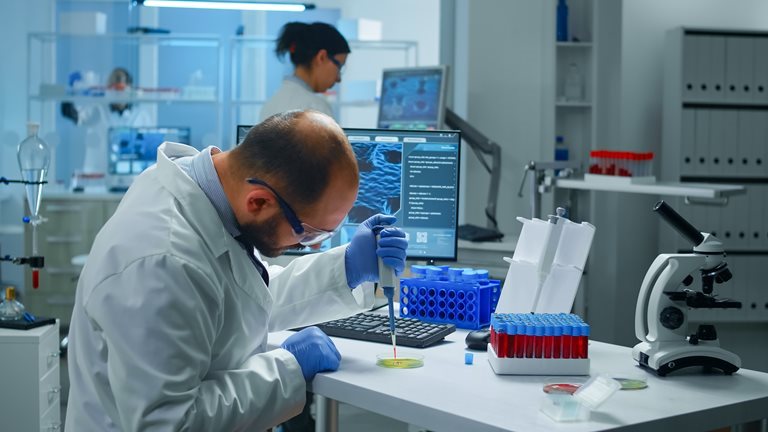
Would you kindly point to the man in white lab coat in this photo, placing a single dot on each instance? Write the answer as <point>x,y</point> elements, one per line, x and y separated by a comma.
<point>173,307</point>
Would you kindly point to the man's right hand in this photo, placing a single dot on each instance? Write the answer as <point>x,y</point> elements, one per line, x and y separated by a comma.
<point>314,351</point>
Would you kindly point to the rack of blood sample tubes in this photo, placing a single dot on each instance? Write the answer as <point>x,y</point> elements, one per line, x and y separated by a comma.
<point>539,344</point>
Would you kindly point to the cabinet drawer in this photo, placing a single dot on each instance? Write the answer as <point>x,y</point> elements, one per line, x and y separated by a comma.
<point>51,420</point>
<point>49,353</point>
<point>50,391</point>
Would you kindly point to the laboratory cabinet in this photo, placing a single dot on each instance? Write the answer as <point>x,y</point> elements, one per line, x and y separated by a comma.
<point>74,219</point>
<point>30,393</point>
<point>715,130</point>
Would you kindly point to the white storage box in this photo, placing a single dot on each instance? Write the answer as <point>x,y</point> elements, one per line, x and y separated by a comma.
<point>360,29</point>
<point>83,23</point>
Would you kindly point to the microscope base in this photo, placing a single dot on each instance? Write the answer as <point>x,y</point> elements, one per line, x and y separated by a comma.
<point>666,357</point>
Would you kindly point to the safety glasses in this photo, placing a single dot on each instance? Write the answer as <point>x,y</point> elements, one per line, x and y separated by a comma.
<point>338,64</point>
<point>309,235</point>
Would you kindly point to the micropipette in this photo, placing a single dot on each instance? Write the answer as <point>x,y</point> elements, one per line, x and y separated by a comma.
<point>387,284</point>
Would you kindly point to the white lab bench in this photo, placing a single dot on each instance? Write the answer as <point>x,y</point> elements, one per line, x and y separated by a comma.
<point>447,395</point>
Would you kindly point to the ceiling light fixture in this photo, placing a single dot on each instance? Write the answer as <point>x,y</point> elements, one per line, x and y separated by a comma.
<point>229,5</point>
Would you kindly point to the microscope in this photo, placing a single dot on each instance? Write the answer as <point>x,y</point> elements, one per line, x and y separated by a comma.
<point>661,322</point>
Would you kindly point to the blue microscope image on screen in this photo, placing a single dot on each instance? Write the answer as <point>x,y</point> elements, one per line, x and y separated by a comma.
<point>410,100</point>
<point>380,166</point>
<point>132,150</point>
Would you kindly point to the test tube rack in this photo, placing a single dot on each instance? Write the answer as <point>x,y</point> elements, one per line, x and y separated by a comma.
<point>539,344</point>
<point>464,297</point>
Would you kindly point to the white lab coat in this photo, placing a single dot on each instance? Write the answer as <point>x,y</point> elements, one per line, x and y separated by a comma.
<point>291,95</point>
<point>169,329</point>
<point>97,119</point>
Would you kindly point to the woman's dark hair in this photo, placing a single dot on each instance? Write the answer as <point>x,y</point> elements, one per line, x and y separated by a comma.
<point>302,42</point>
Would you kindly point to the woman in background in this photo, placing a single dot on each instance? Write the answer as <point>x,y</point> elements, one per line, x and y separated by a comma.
<point>318,52</point>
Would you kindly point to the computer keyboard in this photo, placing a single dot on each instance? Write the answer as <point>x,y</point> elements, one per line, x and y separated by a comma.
<point>374,327</point>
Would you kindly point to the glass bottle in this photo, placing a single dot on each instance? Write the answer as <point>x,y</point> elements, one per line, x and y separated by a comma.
<point>10,308</point>
<point>573,84</point>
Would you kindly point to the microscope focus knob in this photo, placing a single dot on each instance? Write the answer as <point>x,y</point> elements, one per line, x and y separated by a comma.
<point>706,332</point>
<point>724,276</point>
<point>671,317</point>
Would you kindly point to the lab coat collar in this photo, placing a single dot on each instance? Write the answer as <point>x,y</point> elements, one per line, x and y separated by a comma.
<point>189,194</point>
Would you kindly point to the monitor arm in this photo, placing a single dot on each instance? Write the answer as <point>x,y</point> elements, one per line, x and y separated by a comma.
<point>481,145</point>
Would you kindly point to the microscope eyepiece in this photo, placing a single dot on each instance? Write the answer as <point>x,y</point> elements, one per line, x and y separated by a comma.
<point>679,223</point>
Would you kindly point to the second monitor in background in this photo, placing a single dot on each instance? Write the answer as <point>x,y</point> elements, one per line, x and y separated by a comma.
<point>412,98</point>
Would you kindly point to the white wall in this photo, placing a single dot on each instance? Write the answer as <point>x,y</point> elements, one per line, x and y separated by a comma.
<point>403,20</point>
<point>509,61</point>
<point>16,19</point>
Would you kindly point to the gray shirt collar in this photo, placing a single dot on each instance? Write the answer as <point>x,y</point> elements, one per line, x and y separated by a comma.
<point>202,171</point>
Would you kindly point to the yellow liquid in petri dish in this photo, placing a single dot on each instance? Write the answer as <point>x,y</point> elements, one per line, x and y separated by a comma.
<point>407,361</point>
<point>401,363</point>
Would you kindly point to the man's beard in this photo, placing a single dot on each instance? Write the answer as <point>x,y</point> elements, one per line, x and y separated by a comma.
<point>264,237</point>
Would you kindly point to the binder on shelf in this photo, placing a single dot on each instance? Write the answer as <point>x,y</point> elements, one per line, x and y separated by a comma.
<point>704,62</point>
<point>691,69</point>
<point>760,71</point>
<point>741,220</point>
<point>755,216</point>
<point>755,145</point>
<point>730,153</point>
<point>687,142</point>
<point>701,143</point>
<point>732,65</point>
<point>715,69</point>
<point>719,141</point>
<point>762,143</point>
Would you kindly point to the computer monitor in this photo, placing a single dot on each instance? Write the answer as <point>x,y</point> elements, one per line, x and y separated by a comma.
<point>412,98</point>
<point>412,174</point>
<point>134,149</point>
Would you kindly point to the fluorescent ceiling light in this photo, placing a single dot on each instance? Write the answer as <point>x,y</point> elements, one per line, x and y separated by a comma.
<point>230,5</point>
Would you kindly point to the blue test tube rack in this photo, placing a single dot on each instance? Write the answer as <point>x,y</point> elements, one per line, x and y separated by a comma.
<point>465,297</point>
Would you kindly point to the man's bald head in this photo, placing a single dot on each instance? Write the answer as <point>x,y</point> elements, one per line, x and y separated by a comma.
<point>298,153</point>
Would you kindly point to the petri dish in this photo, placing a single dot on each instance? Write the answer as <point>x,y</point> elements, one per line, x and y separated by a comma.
<point>631,381</point>
<point>405,360</point>
<point>563,385</point>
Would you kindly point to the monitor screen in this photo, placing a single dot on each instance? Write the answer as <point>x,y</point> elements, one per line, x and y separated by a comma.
<point>412,98</point>
<point>134,149</point>
<point>411,174</point>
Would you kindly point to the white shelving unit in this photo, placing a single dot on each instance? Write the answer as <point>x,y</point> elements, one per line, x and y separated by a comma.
<point>574,117</point>
<point>716,130</point>
<point>159,87</point>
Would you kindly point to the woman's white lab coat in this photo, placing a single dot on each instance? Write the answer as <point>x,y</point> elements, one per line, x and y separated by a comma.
<point>294,94</point>
<point>169,330</point>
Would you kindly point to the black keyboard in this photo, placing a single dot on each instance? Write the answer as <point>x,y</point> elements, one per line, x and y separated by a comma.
<point>374,327</point>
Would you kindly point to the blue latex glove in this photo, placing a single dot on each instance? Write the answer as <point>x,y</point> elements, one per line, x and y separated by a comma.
<point>361,256</point>
<point>314,351</point>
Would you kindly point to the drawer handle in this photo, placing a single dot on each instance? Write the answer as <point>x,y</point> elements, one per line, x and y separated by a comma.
<point>54,354</point>
<point>54,427</point>
<point>63,239</point>
<point>63,271</point>
<point>55,390</point>
<point>62,208</point>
